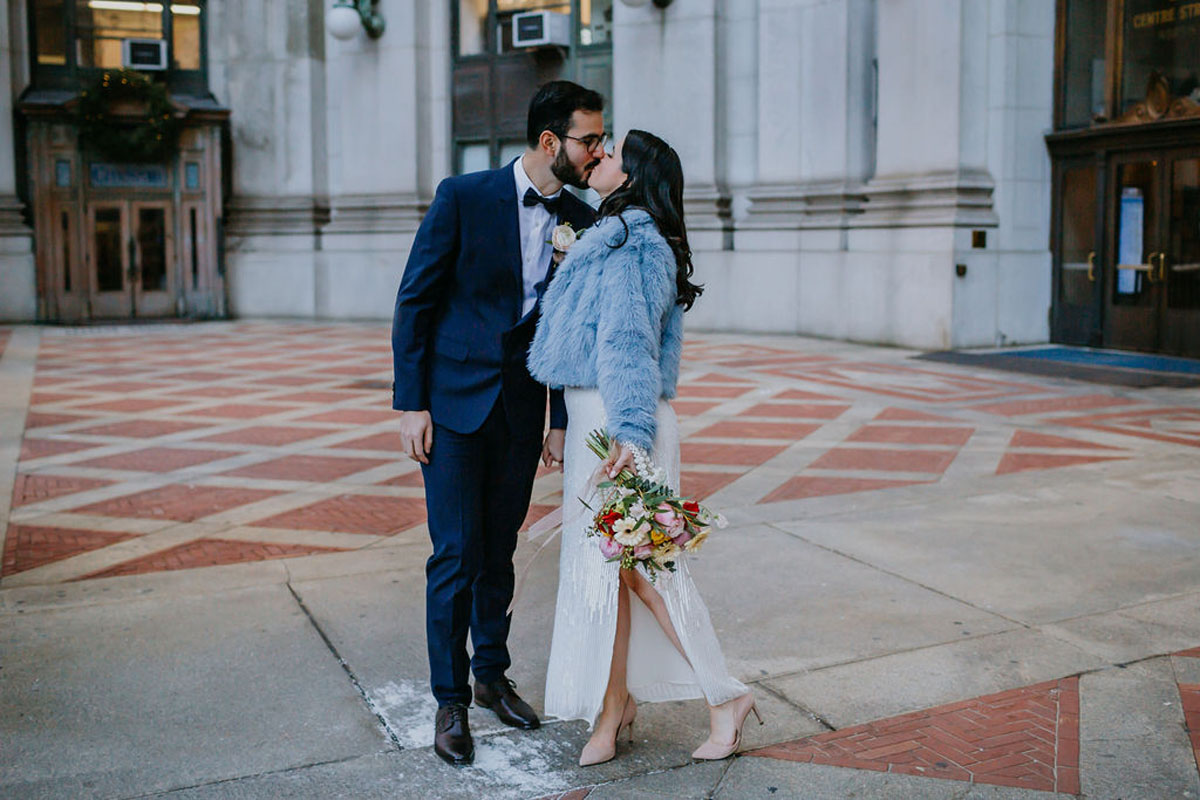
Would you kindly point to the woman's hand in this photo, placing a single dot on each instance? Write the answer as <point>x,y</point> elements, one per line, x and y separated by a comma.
<point>552,450</point>
<point>619,457</point>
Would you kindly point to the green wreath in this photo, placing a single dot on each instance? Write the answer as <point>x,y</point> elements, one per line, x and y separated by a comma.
<point>152,138</point>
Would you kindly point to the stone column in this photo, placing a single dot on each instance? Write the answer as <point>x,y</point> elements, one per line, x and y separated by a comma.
<point>269,70</point>
<point>666,81</point>
<point>18,268</point>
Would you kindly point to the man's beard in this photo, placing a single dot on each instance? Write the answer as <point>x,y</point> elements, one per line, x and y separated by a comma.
<point>565,171</point>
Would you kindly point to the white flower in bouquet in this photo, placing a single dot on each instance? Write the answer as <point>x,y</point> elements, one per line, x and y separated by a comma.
<point>694,543</point>
<point>667,551</point>
<point>638,511</point>
<point>626,534</point>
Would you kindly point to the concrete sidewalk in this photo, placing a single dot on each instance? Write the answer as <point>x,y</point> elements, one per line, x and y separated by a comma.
<point>940,581</point>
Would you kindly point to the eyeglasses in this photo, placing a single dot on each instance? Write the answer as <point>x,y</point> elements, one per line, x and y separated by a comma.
<point>592,141</point>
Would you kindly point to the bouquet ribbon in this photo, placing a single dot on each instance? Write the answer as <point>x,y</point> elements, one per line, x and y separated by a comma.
<point>550,526</point>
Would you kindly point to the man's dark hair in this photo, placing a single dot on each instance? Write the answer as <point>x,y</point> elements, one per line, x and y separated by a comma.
<point>551,108</point>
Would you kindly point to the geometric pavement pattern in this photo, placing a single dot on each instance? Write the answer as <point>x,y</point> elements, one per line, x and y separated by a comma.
<point>1189,695</point>
<point>282,434</point>
<point>1026,738</point>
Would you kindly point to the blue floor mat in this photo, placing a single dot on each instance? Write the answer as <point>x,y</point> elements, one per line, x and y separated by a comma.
<point>1107,358</point>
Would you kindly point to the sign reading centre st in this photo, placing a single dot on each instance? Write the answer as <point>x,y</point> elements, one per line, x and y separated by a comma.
<point>128,176</point>
<point>1176,12</point>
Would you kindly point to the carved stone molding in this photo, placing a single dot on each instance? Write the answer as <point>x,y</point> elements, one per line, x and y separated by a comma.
<point>827,204</point>
<point>375,213</point>
<point>276,216</point>
<point>961,198</point>
<point>706,208</point>
<point>12,218</point>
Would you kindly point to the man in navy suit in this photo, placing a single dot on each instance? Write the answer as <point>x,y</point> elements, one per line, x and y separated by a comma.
<point>471,414</point>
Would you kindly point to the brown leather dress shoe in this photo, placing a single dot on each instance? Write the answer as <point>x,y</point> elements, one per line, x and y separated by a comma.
<point>452,736</point>
<point>510,708</point>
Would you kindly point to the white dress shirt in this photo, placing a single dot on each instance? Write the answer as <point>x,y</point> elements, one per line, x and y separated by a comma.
<point>536,224</point>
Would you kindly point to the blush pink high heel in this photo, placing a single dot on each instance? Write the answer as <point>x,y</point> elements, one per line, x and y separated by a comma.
<point>600,754</point>
<point>713,751</point>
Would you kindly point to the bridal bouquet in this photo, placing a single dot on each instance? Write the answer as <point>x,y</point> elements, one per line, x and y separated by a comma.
<point>642,521</point>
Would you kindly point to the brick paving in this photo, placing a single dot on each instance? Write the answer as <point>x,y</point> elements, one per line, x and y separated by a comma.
<point>1026,738</point>
<point>267,413</point>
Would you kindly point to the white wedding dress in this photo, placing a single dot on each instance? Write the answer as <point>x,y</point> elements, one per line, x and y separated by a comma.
<point>585,619</point>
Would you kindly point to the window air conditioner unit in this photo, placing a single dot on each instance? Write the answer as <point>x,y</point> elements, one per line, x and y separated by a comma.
<point>144,53</point>
<point>541,29</point>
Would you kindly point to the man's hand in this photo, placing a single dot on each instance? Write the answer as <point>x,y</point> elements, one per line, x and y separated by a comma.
<point>552,450</point>
<point>416,435</point>
<point>619,458</point>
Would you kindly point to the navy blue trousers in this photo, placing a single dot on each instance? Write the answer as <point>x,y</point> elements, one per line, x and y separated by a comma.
<point>477,490</point>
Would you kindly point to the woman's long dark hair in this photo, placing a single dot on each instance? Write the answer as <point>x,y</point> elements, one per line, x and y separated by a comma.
<point>655,184</point>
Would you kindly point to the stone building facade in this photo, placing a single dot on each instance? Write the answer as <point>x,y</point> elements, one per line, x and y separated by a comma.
<point>873,170</point>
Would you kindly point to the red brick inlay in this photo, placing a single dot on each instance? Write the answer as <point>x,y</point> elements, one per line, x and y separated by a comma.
<point>796,394</point>
<point>415,478</point>
<point>700,390</point>
<point>740,454</point>
<point>354,416</point>
<point>1020,462</point>
<point>306,468</point>
<point>157,459</point>
<point>129,405</point>
<point>1193,653</point>
<point>41,419</point>
<point>691,408</point>
<point>42,448</point>
<point>1189,694</point>
<point>716,377</point>
<point>803,486</point>
<point>208,553</point>
<point>1053,404</point>
<point>801,410</point>
<point>575,794</point>
<point>739,429</point>
<point>29,546</point>
<point>388,441</point>
<point>36,488</point>
<point>699,485</point>
<point>1178,425</point>
<point>236,411</point>
<point>178,502</point>
<point>933,461</point>
<point>912,434</point>
<point>141,428</point>
<point>1026,738</point>
<point>1045,440</point>
<point>268,435</point>
<point>352,513</point>
<point>536,512</point>
<point>908,415</point>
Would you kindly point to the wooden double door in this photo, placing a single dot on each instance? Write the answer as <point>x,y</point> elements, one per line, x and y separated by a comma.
<point>1127,250</point>
<point>130,251</point>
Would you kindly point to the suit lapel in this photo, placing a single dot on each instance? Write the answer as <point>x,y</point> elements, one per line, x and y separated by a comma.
<point>510,226</point>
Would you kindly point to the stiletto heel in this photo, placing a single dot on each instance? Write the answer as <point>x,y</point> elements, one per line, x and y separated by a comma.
<point>601,754</point>
<point>712,751</point>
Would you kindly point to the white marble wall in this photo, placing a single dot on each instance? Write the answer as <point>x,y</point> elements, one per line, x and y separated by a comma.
<point>18,270</point>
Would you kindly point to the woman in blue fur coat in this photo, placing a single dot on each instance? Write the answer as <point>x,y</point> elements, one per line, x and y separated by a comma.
<point>611,333</point>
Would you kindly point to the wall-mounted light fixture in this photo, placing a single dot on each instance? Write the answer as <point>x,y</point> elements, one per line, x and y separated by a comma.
<point>640,3</point>
<point>346,16</point>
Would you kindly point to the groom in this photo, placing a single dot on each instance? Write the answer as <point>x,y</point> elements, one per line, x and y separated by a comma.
<point>470,412</point>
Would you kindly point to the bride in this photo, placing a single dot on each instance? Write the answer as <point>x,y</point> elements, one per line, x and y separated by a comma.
<point>611,332</point>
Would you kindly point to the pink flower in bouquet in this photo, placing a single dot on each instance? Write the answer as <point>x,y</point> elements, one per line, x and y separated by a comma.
<point>609,547</point>
<point>670,520</point>
<point>642,552</point>
<point>683,538</point>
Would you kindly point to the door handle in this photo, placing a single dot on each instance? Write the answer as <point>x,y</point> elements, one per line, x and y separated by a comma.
<point>1162,266</point>
<point>1150,272</point>
<point>1092,266</point>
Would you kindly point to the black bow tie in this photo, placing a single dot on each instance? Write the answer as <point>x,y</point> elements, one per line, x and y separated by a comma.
<point>532,198</point>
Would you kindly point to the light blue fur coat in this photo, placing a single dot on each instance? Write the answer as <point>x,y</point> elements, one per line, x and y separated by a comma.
<point>610,321</point>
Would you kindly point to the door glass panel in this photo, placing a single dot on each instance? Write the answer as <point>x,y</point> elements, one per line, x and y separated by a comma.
<point>100,25</point>
<point>472,27</point>
<point>152,248</point>
<point>1078,235</point>
<point>50,27</point>
<point>510,150</point>
<point>507,8</point>
<point>473,158</point>
<point>1135,211</point>
<point>595,21</point>
<point>185,34</point>
<point>1159,37</point>
<point>1183,249</point>
<point>110,271</point>
<point>1084,65</point>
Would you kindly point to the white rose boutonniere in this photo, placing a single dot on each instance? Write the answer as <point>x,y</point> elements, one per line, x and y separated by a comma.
<point>561,239</point>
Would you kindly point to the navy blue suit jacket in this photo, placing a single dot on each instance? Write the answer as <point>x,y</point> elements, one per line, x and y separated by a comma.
<point>458,337</point>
